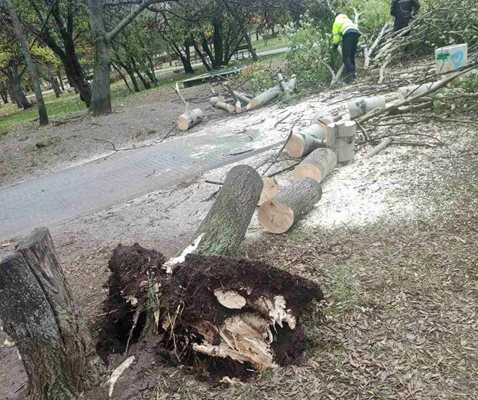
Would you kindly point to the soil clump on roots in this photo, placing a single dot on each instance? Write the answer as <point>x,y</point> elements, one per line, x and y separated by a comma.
<point>223,316</point>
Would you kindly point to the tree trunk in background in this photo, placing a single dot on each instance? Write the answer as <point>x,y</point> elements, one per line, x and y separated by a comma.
<point>60,79</point>
<point>38,314</point>
<point>123,77</point>
<point>17,89</point>
<point>218,44</point>
<point>54,83</point>
<point>31,66</point>
<point>101,96</point>
<point>250,46</point>
<point>4,92</point>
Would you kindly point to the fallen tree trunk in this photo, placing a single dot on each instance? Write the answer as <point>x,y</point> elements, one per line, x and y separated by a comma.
<point>413,90</point>
<point>269,191</point>
<point>189,118</point>
<point>317,165</point>
<point>39,315</point>
<point>377,149</point>
<point>225,225</point>
<point>280,214</point>
<point>226,107</point>
<point>264,98</point>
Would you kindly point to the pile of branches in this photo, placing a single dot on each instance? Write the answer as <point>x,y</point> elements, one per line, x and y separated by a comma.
<point>442,24</point>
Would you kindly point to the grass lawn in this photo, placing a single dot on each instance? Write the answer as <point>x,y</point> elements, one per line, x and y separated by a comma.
<point>70,103</point>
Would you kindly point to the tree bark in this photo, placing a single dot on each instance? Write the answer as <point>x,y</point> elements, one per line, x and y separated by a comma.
<point>17,89</point>
<point>280,214</point>
<point>101,96</point>
<point>225,225</point>
<point>123,77</point>
<point>38,314</point>
<point>317,165</point>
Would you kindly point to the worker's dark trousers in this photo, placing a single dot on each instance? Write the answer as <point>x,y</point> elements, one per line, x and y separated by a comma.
<point>349,48</point>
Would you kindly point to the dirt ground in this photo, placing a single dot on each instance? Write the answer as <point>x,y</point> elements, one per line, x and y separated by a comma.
<point>30,151</point>
<point>393,244</point>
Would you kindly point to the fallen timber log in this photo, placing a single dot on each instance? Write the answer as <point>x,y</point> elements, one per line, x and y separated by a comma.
<point>317,165</point>
<point>234,316</point>
<point>189,118</point>
<point>269,191</point>
<point>281,213</point>
<point>264,98</point>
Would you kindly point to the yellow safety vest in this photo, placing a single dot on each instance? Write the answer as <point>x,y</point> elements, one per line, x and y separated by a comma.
<point>342,24</point>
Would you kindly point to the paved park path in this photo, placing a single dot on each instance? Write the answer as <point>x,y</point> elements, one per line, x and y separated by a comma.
<point>78,191</point>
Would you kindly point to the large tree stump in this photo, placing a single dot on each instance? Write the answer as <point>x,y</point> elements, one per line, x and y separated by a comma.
<point>317,165</point>
<point>38,314</point>
<point>281,213</point>
<point>225,225</point>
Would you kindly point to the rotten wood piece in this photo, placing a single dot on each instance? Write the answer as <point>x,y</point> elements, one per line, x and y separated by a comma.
<point>281,213</point>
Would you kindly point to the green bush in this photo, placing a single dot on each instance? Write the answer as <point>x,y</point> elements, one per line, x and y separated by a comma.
<point>310,45</point>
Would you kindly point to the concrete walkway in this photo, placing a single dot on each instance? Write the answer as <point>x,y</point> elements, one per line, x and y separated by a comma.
<point>81,190</point>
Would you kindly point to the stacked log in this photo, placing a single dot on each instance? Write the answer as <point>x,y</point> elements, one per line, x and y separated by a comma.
<point>281,213</point>
<point>317,165</point>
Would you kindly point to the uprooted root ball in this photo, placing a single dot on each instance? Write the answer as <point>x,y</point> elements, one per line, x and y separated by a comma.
<point>234,315</point>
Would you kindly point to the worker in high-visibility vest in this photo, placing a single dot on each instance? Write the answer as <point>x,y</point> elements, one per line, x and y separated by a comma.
<point>346,32</point>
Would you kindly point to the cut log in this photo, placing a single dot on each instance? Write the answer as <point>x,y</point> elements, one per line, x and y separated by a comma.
<point>317,165</point>
<point>226,223</point>
<point>242,96</point>
<point>264,98</point>
<point>291,84</point>
<point>215,99</point>
<point>322,117</point>
<point>39,315</point>
<point>226,107</point>
<point>282,82</point>
<point>331,134</point>
<point>300,145</point>
<point>345,144</point>
<point>415,90</point>
<point>238,106</point>
<point>269,190</point>
<point>381,146</point>
<point>189,119</point>
<point>363,105</point>
<point>280,214</point>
